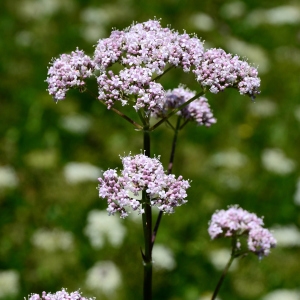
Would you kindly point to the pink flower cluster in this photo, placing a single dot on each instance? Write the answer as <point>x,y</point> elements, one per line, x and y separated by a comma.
<point>198,110</point>
<point>219,70</point>
<point>236,222</point>
<point>141,173</point>
<point>149,45</point>
<point>60,295</point>
<point>135,81</point>
<point>144,50</point>
<point>68,71</point>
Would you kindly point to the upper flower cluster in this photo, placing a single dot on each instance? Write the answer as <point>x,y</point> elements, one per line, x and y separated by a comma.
<point>68,71</point>
<point>235,222</point>
<point>219,70</point>
<point>145,51</point>
<point>149,45</point>
<point>141,173</point>
<point>60,295</point>
<point>198,110</point>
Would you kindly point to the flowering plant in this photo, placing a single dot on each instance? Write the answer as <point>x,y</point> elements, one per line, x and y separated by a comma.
<point>128,66</point>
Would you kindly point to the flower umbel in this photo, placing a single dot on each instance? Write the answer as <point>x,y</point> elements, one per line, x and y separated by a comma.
<point>60,295</point>
<point>236,222</point>
<point>68,71</point>
<point>219,70</point>
<point>141,173</point>
<point>198,111</point>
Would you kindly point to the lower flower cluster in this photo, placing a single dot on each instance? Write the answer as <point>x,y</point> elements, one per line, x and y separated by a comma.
<point>236,222</point>
<point>141,174</point>
<point>60,295</point>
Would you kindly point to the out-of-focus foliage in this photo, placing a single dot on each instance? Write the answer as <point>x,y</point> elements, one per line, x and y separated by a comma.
<point>51,155</point>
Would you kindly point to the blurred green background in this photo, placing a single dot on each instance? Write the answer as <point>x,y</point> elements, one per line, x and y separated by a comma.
<point>53,232</point>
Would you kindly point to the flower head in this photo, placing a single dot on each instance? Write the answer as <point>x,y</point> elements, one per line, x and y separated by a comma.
<point>198,110</point>
<point>219,70</point>
<point>236,222</point>
<point>68,71</point>
<point>141,173</point>
<point>144,50</point>
<point>60,295</point>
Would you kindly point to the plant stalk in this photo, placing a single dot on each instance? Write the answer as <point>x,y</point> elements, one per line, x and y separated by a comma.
<point>147,224</point>
<point>170,167</point>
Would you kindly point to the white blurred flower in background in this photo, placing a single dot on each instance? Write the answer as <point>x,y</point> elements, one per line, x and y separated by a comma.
<point>286,236</point>
<point>297,193</point>
<point>231,159</point>
<point>38,9</point>
<point>53,240</point>
<point>280,15</point>
<point>297,110</point>
<point>233,10</point>
<point>76,172</point>
<point>283,294</point>
<point>76,123</point>
<point>202,22</point>
<point>275,161</point>
<point>103,277</point>
<point>8,177</point>
<point>9,283</point>
<point>163,258</point>
<point>95,20</point>
<point>101,228</point>
<point>220,257</point>
<point>263,108</point>
<point>255,53</point>
<point>207,296</point>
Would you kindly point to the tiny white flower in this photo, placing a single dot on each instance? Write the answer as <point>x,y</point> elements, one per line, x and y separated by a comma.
<point>263,108</point>
<point>53,240</point>
<point>202,22</point>
<point>286,236</point>
<point>283,294</point>
<point>103,277</point>
<point>9,283</point>
<point>75,172</point>
<point>101,228</point>
<point>76,123</point>
<point>297,193</point>
<point>8,177</point>
<point>231,159</point>
<point>274,160</point>
<point>163,258</point>
<point>220,257</point>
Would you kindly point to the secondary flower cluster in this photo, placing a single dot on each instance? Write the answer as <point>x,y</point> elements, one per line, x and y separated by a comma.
<point>141,173</point>
<point>219,70</point>
<point>68,71</point>
<point>236,222</point>
<point>145,51</point>
<point>198,110</point>
<point>60,295</point>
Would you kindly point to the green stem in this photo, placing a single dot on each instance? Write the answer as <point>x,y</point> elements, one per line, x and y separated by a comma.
<point>170,167</point>
<point>175,110</point>
<point>234,254</point>
<point>147,224</point>
<point>136,125</point>
<point>232,257</point>
<point>166,71</point>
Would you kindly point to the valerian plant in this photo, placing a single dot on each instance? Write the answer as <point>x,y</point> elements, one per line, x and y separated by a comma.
<point>144,52</point>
